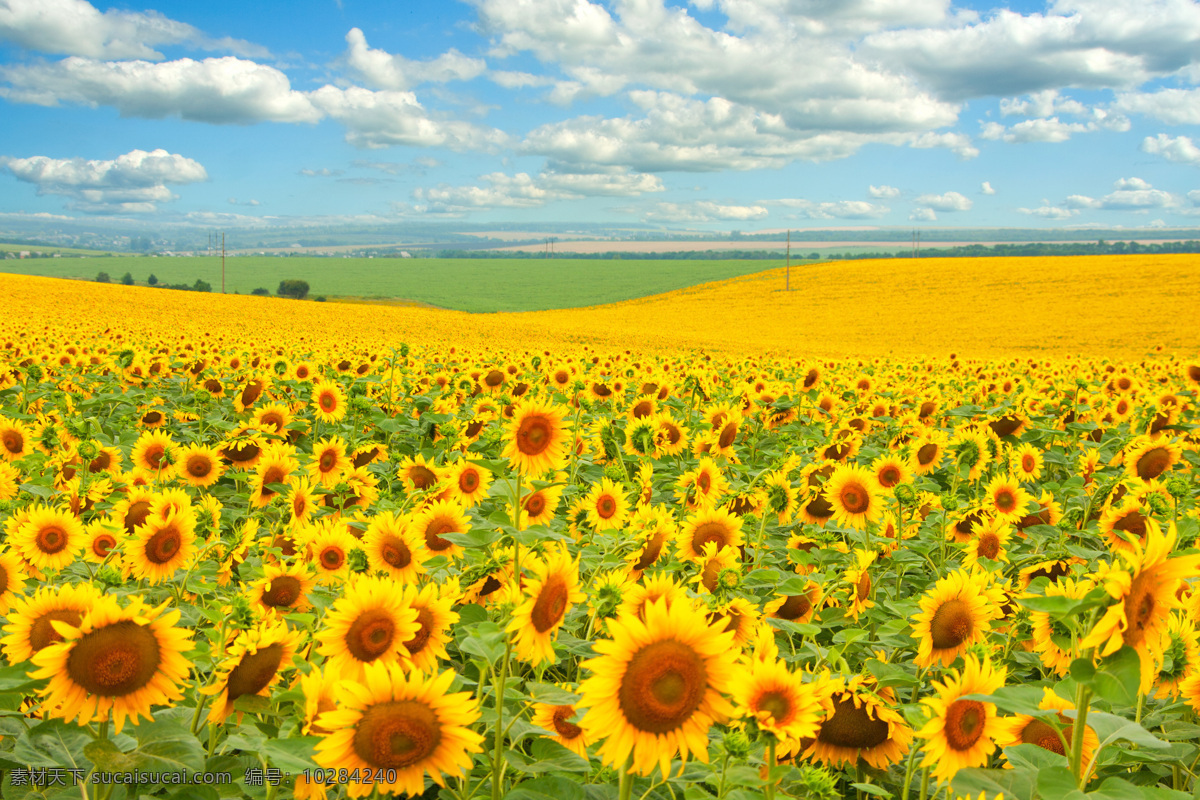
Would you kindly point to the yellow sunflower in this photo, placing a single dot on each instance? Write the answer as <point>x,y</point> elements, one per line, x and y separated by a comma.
<point>927,452</point>
<point>469,483</point>
<point>955,614</point>
<point>1148,458</point>
<point>10,481</point>
<point>155,453</point>
<point>859,724</point>
<point>549,595</point>
<point>1026,462</point>
<point>275,468</point>
<point>854,496</point>
<point>16,440</point>
<point>50,538</point>
<point>890,471</point>
<point>418,474</point>
<point>961,733</point>
<point>118,661</point>
<point>657,686</point>
<point>160,547</point>
<point>432,604</point>
<point>1180,657</point>
<point>302,501</point>
<point>557,720</point>
<point>1124,525</point>
<point>401,726</point>
<point>989,538</point>
<point>861,587</point>
<point>538,507</point>
<point>441,516</point>
<point>200,465</point>
<point>31,619</point>
<point>391,547</point>
<point>328,401</point>
<point>1144,590</point>
<point>1024,729</point>
<point>329,549</point>
<point>715,525</point>
<point>779,700</point>
<point>535,440</point>
<point>368,624</point>
<point>1053,640</point>
<point>653,527</point>
<point>328,461</point>
<point>252,665</point>
<point>796,607</point>
<point>1005,498</point>
<point>607,506</point>
<point>12,581</point>
<point>284,587</point>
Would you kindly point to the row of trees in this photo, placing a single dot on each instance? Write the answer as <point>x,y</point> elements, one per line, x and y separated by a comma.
<point>295,289</point>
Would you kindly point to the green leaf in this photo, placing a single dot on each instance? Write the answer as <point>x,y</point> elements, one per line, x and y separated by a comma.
<point>293,755</point>
<point>166,745</point>
<point>52,743</point>
<point>1055,782</point>
<point>871,789</point>
<point>486,640</point>
<point>545,756</point>
<point>1015,700</point>
<point>550,694</point>
<point>1033,757</point>
<point>803,629</point>
<point>1111,728</point>
<point>1118,677</point>
<point>106,756</point>
<point>1014,784</point>
<point>547,788</point>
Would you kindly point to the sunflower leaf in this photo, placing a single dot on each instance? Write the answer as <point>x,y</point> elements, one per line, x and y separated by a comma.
<point>1015,700</point>
<point>291,754</point>
<point>1111,728</point>
<point>1118,677</point>
<point>1013,784</point>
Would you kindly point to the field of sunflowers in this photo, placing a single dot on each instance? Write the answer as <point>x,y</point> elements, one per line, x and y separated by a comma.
<point>268,549</point>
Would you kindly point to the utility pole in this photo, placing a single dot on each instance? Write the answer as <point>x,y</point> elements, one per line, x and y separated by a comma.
<point>918,255</point>
<point>787,279</point>
<point>222,262</point>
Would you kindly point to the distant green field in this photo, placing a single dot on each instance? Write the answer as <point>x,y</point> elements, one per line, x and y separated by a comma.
<point>46,248</point>
<point>468,284</point>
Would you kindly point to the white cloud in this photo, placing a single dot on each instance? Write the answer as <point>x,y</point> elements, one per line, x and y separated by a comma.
<point>1172,106</point>
<point>883,192</point>
<point>1046,103</point>
<point>134,182</point>
<point>950,201</point>
<point>216,90</point>
<point>703,211</point>
<point>387,118</point>
<point>518,80</point>
<point>523,190</point>
<point>957,143</point>
<point>840,209</point>
<point>1049,212</point>
<point>986,188</point>
<point>1034,130</point>
<point>323,172</point>
<point>383,70</point>
<point>923,215</point>
<point>1130,194</point>
<point>77,28</point>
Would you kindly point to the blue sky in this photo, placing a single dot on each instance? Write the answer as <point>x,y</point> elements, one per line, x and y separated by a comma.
<point>711,114</point>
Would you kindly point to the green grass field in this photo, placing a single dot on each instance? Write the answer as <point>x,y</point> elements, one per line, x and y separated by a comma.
<point>468,284</point>
<point>46,248</point>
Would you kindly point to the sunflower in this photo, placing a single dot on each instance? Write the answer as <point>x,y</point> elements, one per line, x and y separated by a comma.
<point>1005,498</point>
<point>301,502</point>
<point>859,724</point>
<point>12,581</point>
<point>328,461</point>
<point>418,474</point>
<point>1148,458</point>
<point>252,665</point>
<point>534,441</point>
<point>441,516</point>
<point>329,549</point>
<point>716,564</point>
<point>670,437</point>
<point>858,578</point>
<point>251,392</point>
<point>275,468</point>
<point>715,525</point>
<point>653,528</point>
<point>538,507</point>
<point>284,588</point>
<point>161,546</point>
<point>701,487</point>
<point>1180,657</point>
<point>954,615</point>
<point>468,483</point>
<point>1145,590</point>
<point>657,686</point>
<point>244,449</point>
<point>200,465</point>
<point>1026,462</point>
<point>370,453</point>
<point>557,720</point>
<point>549,595</point>
<point>1124,525</point>
<point>432,604</point>
<point>10,481</point>
<point>31,619</point>
<point>118,661</point>
<point>154,452</point>
<point>740,617</point>
<point>368,624</point>
<point>607,506</point>
<point>391,547</point>
<point>394,725</point>
<point>1024,729</point>
<point>274,417</point>
<point>639,437</point>
<point>781,496</point>
<point>961,733</point>
<point>778,700</point>
<point>16,440</point>
<point>49,538</point>
<point>796,607</point>
<point>853,494</point>
<point>890,471</point>
<point>1048,512</point>
<point>927,452</point>
<point>989,538</point>
<point>107,460</point>
<point>328,401</point>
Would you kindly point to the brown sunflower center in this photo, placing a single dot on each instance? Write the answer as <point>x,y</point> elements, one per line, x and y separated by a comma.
<point>777,704</point>
<point>1043,735</point>
<point>855,498</point>
<point>1005,499</point>
<point>115,660</point>
<point>728,434</point>
<point>1028,463</point>
<point>397,734</point>
<point>565,729</point>
<point>795,607</point>
<point>136,514</point>
<point>1133,522</point>
<point>422,477</point>
<point>652,550</point>
<point>14,442</point>
<point>663,686</point>
<point>164,545</point>
<point>951,625</point>
<point>394,552</point>
<point>432,538</point>
<point>421,638</point>
<point>852,727</point>
<point>42,633</point>
<point>606,506</point>
<point>327,401</point>
<point>154,456</point>
<point>468,481</point>
<point>863,588</point>
<point>926,454</point>
<point>254,672</point>
<point>535,504</point>
<point>710,532</point>
<point>198,466</point>
<point>988,546</point>
<point>534,435</point>
<point>889,476</point>
<point>371,634</point>
<point>332,557</point>
<point>51,539</point>
<point>282,592</point>
<point>550,605</point>
<point>1140,606</point>
<point>328,461</point>
<point>100,462</point>
<point>819,508</point>
<point>1153,463</point>
<point>964,723</point>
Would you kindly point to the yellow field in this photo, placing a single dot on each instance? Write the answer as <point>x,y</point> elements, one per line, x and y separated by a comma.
<point>1114,306</point>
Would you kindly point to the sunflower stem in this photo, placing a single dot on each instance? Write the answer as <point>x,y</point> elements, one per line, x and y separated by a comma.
<point>625,792</point>
<point>924,783</point>
<point>1083,696</point>
<point>770,787</point>
<point>498,752</point>
<point>909,770</point>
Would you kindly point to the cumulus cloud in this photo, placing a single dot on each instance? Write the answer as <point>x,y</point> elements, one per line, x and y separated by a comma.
<point>923,215</point>
<point>1050,212</point>
<point>134,182</point>
<point>1046,103</point>
<point>883,192</point>
<point>1172,106</point>
<point>950,201</point>
<point>986,188</point>
<point>839,209</point>
<point>387,118</point>
<point>215,90</point>
<point>958,143</point>
<point>1181,149</point>
<point>384,70</point>
<point>1130,194</point>
<point>703,211</point>
<point>323,172</point>
<point>518,80</point>
<point>522,190</point>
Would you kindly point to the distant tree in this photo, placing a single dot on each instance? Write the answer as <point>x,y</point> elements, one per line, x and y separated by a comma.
<point>260,291</point>
<point>201,286</point>
<point>293,288</point>
<point>152,280</point>
<point>127,279</point>
<point>103,278</point>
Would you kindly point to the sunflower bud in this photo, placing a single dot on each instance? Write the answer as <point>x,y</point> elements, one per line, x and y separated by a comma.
<point>241,614</point>
<point>905,493</point>
<point>737,744</point>
<point>88,450</point>
<point>404,350</point>
<point>358,561</point>
<point>109,576</point>
<point>949,502</point>
<point>819,783</point>
<point>729,579</point>
<point>614,472</point>
<point>1178,488</point>
<point>360,404</point>
<point>1157,503</point>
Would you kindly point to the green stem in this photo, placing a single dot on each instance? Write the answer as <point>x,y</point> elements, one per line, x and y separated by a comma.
<point>1083,696</point>
<point>924,783</point>
<point>721,782</point>
<point>770,787</point>
<point>625,792</point>
<point>498,753</point>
